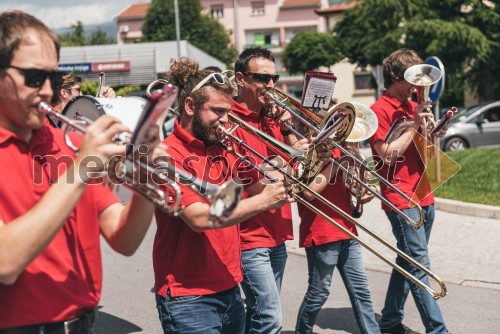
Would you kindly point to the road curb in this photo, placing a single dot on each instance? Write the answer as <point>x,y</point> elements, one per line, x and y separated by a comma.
<point>468,209</point>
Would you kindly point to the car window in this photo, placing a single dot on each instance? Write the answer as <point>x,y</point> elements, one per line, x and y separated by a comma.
<point>493,115</point>
<point>461,116</point>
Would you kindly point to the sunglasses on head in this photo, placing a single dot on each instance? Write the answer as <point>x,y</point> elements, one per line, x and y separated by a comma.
<point>33,77</point>
<point>263,77</point>
<point>218,78</point>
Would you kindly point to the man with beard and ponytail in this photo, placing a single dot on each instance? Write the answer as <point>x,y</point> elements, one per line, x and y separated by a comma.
<point>197,263</point>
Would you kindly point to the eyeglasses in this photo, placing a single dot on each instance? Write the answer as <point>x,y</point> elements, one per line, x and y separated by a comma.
<point>76,89</point>
<point>219,78</point>
<point>263,77</point>
<point>33,77</point>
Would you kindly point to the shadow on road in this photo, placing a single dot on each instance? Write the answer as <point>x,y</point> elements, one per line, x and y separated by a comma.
<point>107,323</point>
<point>338,319</point>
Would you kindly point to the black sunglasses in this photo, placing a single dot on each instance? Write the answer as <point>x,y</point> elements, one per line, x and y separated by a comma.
<point>263,77</point>
<point>33,77</point>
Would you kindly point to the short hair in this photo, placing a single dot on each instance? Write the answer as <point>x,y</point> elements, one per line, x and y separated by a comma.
<point>244,58</point>
<point>213,69</point>
<point>185,73</point>
<point>13,27</point>
<point>395,65</point>
<point>64,81</point>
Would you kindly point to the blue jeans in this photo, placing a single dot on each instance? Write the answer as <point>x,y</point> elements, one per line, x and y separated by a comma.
<point>414,243</point>
<point>263,270</point>
<point>221,312</point>
<point>321,261</point>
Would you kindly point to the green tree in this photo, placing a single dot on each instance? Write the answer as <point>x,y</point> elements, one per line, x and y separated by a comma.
<point>75,37</point>
<point>99,37</point>
<point>309,50</point>
<point>201,30</point>
<point>464,34</point>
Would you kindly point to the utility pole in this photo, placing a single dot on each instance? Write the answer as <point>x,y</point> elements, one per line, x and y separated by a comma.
<point>177,28</point>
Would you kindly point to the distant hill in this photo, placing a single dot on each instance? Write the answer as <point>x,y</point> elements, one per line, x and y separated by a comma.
<point>108,27</point>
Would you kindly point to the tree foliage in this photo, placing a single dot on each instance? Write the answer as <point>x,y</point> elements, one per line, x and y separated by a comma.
<point>77,37</point>
<point>464,34</point>
<point>201,30</point>
<point>310,50</point>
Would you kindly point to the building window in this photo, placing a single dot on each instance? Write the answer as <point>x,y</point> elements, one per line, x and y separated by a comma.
<point>258,8</point>
<point>363,81</point>
<point>262,39</point>
<point>217,11</point>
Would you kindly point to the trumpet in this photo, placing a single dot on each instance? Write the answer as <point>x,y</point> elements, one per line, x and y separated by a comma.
<point>229,141</point>
<point>314,122</point>
<point>127,170</point>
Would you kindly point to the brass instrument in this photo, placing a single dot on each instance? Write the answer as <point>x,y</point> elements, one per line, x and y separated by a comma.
<point>102,84</point>
<point>157,84</point>
<point>127,170</point>
<point>422,77</point>
<point>365,126</point>
<point>229,140</point>
<point>314,123</point>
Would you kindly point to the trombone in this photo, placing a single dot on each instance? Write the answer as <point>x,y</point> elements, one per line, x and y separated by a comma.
<point>314,124</point>
<point>229,140</point>
<point>127,170</point>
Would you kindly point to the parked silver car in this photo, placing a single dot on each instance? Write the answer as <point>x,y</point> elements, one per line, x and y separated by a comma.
<point>474,126</point>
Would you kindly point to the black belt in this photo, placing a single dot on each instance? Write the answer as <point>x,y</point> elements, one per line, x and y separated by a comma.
<point>81,325</point>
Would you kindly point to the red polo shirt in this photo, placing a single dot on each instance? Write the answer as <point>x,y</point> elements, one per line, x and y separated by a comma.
<point>406,175</point>
<point>271,228</point>
<point>186,262</point>
<point>66,278</point>
<point>316,229</point>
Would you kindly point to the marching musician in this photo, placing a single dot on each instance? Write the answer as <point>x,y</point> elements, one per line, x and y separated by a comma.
<point>51,215</point>
<point>197,262</point>
<point>68,86</point>
<point>263,236</point>
<point>328,247</point>
<point>405,170</point>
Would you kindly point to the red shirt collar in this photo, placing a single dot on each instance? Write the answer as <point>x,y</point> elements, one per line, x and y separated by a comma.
<point>241,109</point>
<point>42,138</point>
<point>405,105</point>
<point>187,138</point>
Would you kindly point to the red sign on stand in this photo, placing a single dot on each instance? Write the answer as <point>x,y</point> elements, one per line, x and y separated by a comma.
<point>111,66</point>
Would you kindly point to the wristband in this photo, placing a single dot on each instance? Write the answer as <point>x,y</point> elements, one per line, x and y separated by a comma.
<point>285,132</point>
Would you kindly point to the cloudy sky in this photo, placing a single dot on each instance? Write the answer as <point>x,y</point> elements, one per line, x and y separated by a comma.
<point>63,13</point>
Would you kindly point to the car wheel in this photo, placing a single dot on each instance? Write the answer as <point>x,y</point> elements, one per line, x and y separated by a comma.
<point>455,144</point>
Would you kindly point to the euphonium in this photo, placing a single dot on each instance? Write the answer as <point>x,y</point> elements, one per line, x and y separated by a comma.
<point>365,126</point>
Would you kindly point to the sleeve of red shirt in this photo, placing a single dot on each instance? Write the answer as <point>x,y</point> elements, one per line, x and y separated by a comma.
<point>384,124</point>
<point>103,196</point>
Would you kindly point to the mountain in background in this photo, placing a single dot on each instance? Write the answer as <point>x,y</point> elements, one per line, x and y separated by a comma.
<point>108,27</point>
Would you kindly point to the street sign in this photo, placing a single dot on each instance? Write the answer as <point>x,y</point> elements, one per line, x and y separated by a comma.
<point>436,89</point>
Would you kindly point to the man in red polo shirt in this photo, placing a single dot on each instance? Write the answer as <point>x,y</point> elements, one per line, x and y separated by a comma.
<point>263,236</point>
<point>51,217</point>
<point>197,264</point>
<point>406,171</point>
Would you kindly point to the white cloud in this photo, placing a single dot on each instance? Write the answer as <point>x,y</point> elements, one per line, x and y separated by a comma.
<point>59,13</point>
